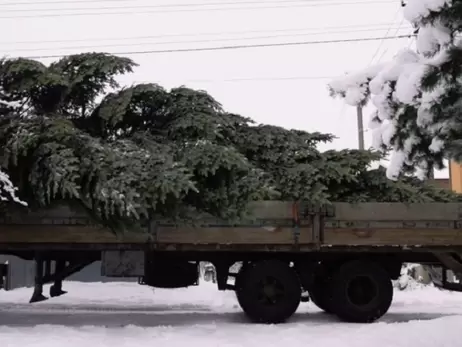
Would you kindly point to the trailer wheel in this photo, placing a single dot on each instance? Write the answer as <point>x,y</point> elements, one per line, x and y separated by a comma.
<point>240,278</point>
<point>320,294</point>
<point>362,292</point>
<point>269,291</point>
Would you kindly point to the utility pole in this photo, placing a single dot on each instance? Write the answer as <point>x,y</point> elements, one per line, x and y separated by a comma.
<point>359,113</point>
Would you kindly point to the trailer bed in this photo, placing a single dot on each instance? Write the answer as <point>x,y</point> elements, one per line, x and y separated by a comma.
<point>273,225</point>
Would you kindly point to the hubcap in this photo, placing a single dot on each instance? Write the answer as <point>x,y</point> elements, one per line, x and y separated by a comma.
<point>361,291</point>
<point>270,291</point>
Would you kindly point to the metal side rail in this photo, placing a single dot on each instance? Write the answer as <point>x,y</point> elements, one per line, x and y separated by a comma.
<point>441,275</point>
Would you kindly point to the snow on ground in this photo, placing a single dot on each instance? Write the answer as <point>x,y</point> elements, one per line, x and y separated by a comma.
<point>126,314</point>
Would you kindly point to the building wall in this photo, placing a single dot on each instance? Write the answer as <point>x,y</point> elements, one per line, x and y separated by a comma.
<point>455,176</point>
<point>443,183</point>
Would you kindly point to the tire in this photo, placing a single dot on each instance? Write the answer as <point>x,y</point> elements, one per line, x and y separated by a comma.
<point>362,292</point>
<point>268,292</point>
<point>320,294</point>
<point>240,278</point>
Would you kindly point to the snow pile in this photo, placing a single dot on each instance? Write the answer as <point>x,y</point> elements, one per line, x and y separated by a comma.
<point>405,110</point>
<point>409,283</point>
<point>409,279</point>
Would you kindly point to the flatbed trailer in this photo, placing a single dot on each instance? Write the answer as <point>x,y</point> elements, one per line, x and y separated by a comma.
<point>343,255</point>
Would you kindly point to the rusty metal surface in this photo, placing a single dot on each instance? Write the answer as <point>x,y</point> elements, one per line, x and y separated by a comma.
<point>66,234</point>
<point>390,237</point>
<point>271,209</point>
<point>232,235</point>
<point>75,214</point>
<point>262,212</point>
<point>201,249</point>
<point>68,213</point>
<point>381,224</point>
<point>271,226</point>
<point>398,211</point>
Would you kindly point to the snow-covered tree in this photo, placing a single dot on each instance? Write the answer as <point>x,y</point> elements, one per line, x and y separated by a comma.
<point>418,95</point>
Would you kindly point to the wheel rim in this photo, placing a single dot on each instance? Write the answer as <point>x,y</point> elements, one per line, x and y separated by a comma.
<point>361,291</point>
<point>270,291</point>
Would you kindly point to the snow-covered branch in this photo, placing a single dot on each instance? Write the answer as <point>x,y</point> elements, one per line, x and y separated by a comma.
<point>413,93</point>
<point>415,11</point>
<point>8,190</point>
<point>354,87</point>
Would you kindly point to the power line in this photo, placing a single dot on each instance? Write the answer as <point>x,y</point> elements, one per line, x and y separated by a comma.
<point>131,44</point>
<point>16,3</point>
<point>386,50</point>
<point>314,3</point>
<point>147,11</point>
<point>410,42</point>
<point>382,41</point>
<point>262,45</point>
<point>252,79</point>
<point>197,34</point>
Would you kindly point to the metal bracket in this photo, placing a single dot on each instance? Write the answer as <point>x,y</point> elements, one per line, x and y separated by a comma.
<point>310,209</point>
<point>152,230</point>
<point>441,280</point>
<point>317,229</point>
<point>450,261</point>
<point>296,224</point>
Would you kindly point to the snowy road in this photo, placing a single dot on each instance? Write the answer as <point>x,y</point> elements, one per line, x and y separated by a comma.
<point>121,314</point>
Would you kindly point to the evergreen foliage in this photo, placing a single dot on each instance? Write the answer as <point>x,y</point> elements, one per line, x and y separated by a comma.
<point>418,95</point>
<point>143,151</point>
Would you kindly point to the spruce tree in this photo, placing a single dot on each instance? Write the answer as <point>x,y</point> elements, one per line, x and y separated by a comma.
<point>418,95</point>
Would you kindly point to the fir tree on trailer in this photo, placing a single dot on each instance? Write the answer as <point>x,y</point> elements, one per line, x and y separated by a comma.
<point>69,131</point>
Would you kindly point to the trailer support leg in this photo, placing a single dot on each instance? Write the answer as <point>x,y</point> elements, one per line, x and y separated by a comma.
<point>57,288</point>
<point>37,295</point>
<point>222,273</point>
<point>63,269</point>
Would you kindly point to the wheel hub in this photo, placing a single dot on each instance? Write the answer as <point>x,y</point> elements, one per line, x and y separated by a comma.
<point>361,291</point>
<point>271,291</point>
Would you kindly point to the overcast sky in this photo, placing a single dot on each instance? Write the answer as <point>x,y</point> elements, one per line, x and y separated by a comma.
<point>284,85</point>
